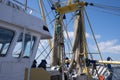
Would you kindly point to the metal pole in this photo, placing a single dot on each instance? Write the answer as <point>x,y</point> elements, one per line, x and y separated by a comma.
<point>108,62</point>
<point>44,18</point>
<point>25,5</point>
<point>42,10</point>
<point>63,59</point>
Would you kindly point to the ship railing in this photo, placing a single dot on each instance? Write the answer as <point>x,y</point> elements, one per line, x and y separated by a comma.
<point>21,7</point>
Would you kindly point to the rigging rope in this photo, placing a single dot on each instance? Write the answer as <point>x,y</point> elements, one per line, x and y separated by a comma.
<point>48,47</point>
<point>108,12</point>
<point>89,52</point>
<point>43,47</point>
<point>54,46</point>
<point>114,8</point>
<point>103,6</point>
<point>93,34</point>
<point>56,37</point>
<point>47,14</point>
<point>22,4</point>
<point>107,9</point>
<point>67,33</point>
<point>51,4</point>
<point>65,27</point>
<point>42,52</point>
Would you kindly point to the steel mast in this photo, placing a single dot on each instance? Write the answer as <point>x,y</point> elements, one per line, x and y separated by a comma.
<point>58,41</point>
<point>79,43</point>
<point>58,52</point>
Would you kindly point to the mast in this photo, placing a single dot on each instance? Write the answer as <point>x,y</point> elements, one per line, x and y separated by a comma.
<point>44,19</point>
<point>58,42</point>
<point>79,44</point>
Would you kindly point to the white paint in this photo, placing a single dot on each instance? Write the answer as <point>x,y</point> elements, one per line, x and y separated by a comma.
<point>12,19</point>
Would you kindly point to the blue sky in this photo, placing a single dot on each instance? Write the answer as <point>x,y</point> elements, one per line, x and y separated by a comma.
<point>106,26</point>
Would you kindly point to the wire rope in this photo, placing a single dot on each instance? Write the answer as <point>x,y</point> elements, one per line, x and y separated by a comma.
<point>114,8</point>
<point>93,34</point>
<point>47,14</point>
<point>46,48</point>
<point>107,9</point>
<point>108,12</point>
<point>43,47</point>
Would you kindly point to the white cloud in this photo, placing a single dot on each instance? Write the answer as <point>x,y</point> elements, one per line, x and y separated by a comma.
<point>110,46</point>
<point>88,35</point>
<point>43,43</point>
<point>97,36</point>
<point>71,34</point>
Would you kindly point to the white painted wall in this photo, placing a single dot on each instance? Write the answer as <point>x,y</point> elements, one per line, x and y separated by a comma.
<point>10,18</point>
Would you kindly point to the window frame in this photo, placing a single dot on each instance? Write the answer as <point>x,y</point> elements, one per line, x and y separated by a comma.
<point>23,49</point>
<point>11,40</point>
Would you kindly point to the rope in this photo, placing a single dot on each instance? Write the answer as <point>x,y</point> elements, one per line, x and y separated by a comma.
<point>43,47</point>
<point>67,33</point>
<point>47,14</point>
<point>93,34</point>
<point>107,9</point>
<point>42,52</point>
<point>48,46</point>
<point>108,12</point>
<point>50,4</point>
<point>21,4</point>
<point>65,27</point>
<point>89,52</point>
<point>53,47</point>
<point>114,8</point>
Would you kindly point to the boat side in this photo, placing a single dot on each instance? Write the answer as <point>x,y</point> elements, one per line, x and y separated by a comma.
<point>20,34</point>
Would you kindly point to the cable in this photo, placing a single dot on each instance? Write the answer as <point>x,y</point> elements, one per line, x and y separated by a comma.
<point>67,33</point>
<point>93,33</point>
<point>65,27</point>
<point>111,9</point>
<point>43,47</point>
<point>47,47</point>
<point>42,52</point>
<point>51,4</point>
<point>91,56</point>
<point>107,7</point>
<point>109,12</point>
<point>47,14</point>
<point>53,47</point>
<point>21,4</point>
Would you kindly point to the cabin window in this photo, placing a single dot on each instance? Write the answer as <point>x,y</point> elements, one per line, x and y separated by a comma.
<point>18,47</point>
<point>0,46</point>
<point>6,37</point>
<point>28,45</point>
<point>0,1</point>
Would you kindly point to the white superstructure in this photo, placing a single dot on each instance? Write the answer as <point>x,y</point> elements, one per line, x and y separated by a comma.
<point>20,34</point>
